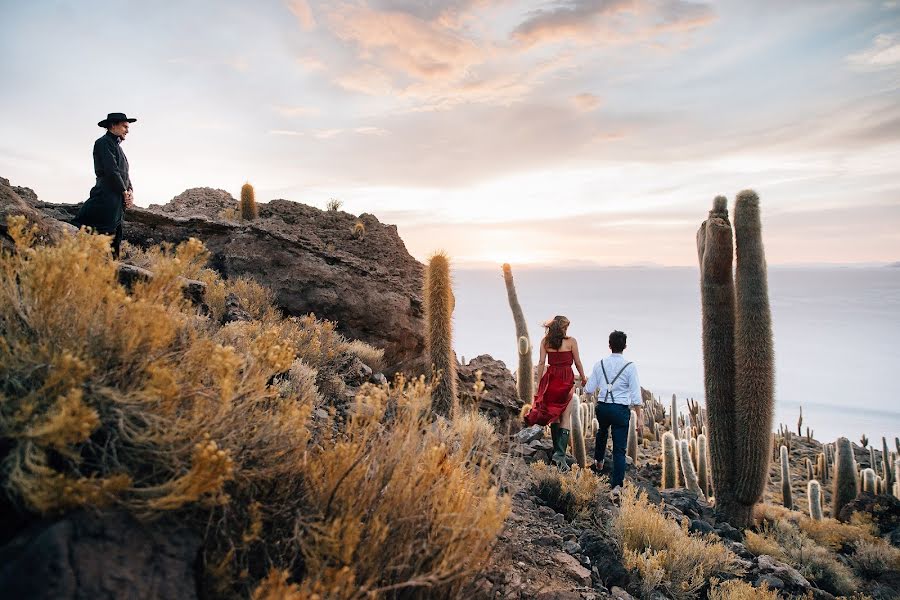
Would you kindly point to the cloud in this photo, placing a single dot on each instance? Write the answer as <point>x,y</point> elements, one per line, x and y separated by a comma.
<point>611,21</point>
<point>285,132</point>
<point>586,101</point>
<point>303,12</point>
<point>884,53</point>
<point>297,111</point>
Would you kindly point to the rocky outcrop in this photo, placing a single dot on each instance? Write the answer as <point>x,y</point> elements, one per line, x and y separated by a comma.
<point>100,556</point>
<point>499,399</point>
<point>314,261</point>
<point>16,200</point>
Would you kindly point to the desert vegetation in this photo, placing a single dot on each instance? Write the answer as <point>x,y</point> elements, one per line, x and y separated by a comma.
<point>137,400</point>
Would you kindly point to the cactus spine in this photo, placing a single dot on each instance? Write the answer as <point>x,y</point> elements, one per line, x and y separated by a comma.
<point>632,445</point>
<point>669,471</point>
<point>868,481</point>
<point>687,469</point>
<point>814,495</point>
<point>737,355</point>
<point>845,483</point>
<point>787,498</point>
<point>439,304</point>
<point>249,210</point>
<point>525,373</point>
<point>703,464</point>
<point>577,433</point>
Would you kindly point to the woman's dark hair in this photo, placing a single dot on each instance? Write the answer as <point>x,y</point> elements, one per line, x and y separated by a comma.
<point>556,332</point>
<point>617,340</point>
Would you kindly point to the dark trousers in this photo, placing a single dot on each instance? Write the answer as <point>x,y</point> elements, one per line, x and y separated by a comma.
<point>117,242</point>
<point>615,417</point>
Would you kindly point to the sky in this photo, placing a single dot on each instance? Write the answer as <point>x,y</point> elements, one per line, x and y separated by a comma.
<point>560,132</point>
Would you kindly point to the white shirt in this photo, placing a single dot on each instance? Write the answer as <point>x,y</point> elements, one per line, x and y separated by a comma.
<point>625,390</point>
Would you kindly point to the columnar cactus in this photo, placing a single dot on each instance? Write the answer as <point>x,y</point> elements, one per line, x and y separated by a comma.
<point>787,498</point>
<point>703,464</point>
<point>822,466</point>
<point>577,437</point>
<point>674,410</point>
<point>737,355</point>
<point>810,475</point>
<point>670,469</point>
<point>886,470</point>
<point>868,481</point>
<point>525,373</point>
<point>814,496</point>
<point>439,304</point>
<point>845,482</point>
<point>687,469</point>
<point>249,210</point>
<point>632,445</point>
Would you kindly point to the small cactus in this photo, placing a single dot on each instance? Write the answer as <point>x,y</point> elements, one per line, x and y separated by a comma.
<point>249,210</point>
<point>800,423</point>
<point>703,465</point>
<point>787,497</point>
<point>687,469</point>
<point>632,445</point>
<point>439,304</point>
<point>814,496</point>
<point>864,440</point>
<point>845,480</point>
<point>669,471</point>
<point>868,481</point>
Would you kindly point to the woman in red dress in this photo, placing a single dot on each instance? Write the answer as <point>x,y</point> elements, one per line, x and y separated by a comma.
<point>557,385</point>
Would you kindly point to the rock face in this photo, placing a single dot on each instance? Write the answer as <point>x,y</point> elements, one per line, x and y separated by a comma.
<point>314,261</point>
<point>16,200</point>
<point>106,556</point>
<point>499,399</point>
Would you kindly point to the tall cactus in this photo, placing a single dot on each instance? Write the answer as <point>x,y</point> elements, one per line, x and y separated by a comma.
<point>632,445</point>
<point>687,469</point>
<point>670,469</point>
<point>249,210</point>
<point>737,355</point>
<point>674,410</point>
<point>845,483</point>
<point>703,464</point>
<point>810,473</point>
<point>868,481</point>
<point>439,304</point>
<point>814,496</point>
<point>525,373</point>
<point>886,470</point>
<point>787,497</point>
<point>577,432</point>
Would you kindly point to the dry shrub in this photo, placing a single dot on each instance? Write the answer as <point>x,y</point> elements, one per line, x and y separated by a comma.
<point>735,589</point>
<point>256,299</point>
<point>662,551</point>
<point>370,355</point>
<point>428,495</point>
<point>133,399</point>
<point>836,535</point>
<point>785,541</point>
<point>573,493</point>
<point>153,257</point>
<point>873,558</point>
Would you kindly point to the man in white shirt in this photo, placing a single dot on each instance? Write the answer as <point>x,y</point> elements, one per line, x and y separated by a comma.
<point>616,380</point>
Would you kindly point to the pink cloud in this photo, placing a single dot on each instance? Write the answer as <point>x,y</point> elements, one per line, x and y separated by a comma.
<point>586,101</point>
<point>304,14</point>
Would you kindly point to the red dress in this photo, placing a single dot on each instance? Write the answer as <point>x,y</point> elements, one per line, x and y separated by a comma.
<point>555,390</point>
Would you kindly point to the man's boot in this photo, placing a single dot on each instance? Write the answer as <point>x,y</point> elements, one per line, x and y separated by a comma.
<point>559,449</point>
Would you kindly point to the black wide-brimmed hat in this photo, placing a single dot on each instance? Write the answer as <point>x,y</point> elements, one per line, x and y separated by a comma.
<point>114,118</point>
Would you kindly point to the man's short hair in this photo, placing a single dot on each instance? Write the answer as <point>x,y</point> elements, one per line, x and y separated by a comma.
<point>617,340</point>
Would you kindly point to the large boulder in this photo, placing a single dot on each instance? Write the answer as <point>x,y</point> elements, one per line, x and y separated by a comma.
<point>883,509</point>
<point>103,556</point>
<point>16,200</point>
<point>499,399</point>
<point>315,261</point>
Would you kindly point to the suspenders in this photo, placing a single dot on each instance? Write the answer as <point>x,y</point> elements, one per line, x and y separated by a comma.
<point>609,383</point>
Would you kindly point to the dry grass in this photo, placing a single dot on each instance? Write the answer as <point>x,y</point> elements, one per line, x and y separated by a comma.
<point>573,493</point>
<point>872,558</point>
<point>735,589</point>
<point>664,554</point>
<point>135,400</point>
<point>373,357</point>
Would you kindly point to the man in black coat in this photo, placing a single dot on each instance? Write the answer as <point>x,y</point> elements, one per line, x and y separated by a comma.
<point>112,194</point>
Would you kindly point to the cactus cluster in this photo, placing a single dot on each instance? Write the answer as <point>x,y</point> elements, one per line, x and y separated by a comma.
<point>439,304</point>
<point>737,354</point>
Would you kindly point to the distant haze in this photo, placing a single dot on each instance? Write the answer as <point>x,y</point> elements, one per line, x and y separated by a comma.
<point>836,334</point>
<point>535,131</point>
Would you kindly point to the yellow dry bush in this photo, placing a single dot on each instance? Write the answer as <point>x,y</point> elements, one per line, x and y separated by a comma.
<point>428,497</point>
<point>370,355</point>
<point>873,558</point>
<point>573,493</point>
<point>735,589</point>
<point>276,587</point>
<point>187,260</point>
<point>836,535</point>
<point>300,382</point>
<point>257,300</point>
<point>665,555</point>
<point>817,563</point>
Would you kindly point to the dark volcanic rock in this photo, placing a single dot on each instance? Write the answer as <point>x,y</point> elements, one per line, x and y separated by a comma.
<point>604,553</point>
<point>311,259</point>
<point>884,510</point>
<point>499,399</point>
<point>233,310</point>
<point>100,556</point>
<point>20,201</point>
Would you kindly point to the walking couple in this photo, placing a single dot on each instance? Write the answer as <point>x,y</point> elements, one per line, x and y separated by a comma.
<point>613,379</point>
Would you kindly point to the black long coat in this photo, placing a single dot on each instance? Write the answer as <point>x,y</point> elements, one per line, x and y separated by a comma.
<point>104,209</point>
